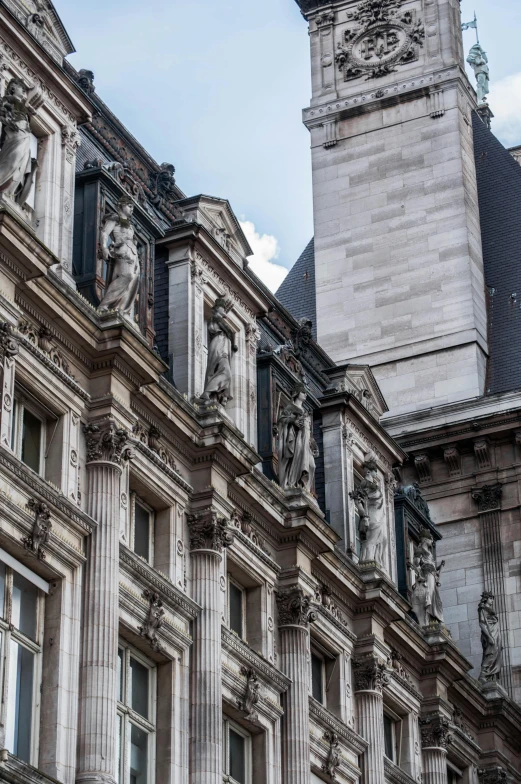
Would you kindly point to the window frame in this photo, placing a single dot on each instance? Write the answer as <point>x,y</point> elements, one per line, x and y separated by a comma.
<point>20,404</point>
<point>226,726</point>
<point>244,629</point>
<point>9,633</point>
<point>314,652</point>
<point>135,498</point>
<point>128,717</point>
<point>397,732</point>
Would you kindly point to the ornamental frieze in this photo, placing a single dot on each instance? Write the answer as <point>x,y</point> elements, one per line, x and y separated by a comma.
<point>380,38</point>
<point>294,608</point>
<point>209,531</point>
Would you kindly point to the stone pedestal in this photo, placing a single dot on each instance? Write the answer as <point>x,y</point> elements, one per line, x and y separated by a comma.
<point>435,737</point>
<point>97,763</point>
<point>294,619</point>
<point>370,676</point>
<point>208,535</point>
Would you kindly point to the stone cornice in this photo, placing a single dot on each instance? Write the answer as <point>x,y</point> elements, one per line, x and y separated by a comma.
<point>50,365</point>
<point>395,775</point>
<point>148,576</point>
<point>44,491</point>
<point>329,721</point>
<point>249,657</point>
<point>164,467</point>
<point>14,771</point>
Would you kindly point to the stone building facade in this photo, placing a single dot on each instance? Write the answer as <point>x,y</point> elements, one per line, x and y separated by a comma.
<point>216,563</point>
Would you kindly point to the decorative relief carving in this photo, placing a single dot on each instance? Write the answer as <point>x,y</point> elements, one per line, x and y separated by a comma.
<point>224,286</point>
<point>435,731</point>
<point>39,537</point>
<point>9,345</point>
<point>243,521</point>
<point>370,674</point>
<point>154,619</point>
<point>324,596</point>
<point>251,695</point>
<point>458,720</point>
<point>208,531</point>
<point>492,775</point>
<point>414,494</point>
<point>294,608</point>
<point>381,38</point>
<point>325,18</point>
<point>395,661</point>
<point>333,755</point>
<point>106,441</point>
<point>482,453</point>
<point>452,458</point>
<point>488,497</point>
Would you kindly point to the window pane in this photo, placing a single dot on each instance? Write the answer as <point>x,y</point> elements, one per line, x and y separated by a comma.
<point>142,531</point>
<point>139,676</point>
<point>2,588</point>
<point>20,701</point>
<point>237,745</point>
<point>31,440</point>
<point>317,689</point>
<point>25,598</point>
<point>235,599</point>
<point>389,737</point>
<point>138,755</point>
<point>120,675</point>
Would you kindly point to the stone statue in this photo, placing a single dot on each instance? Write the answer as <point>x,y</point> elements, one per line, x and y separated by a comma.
<point>221,337</point>
<point>478,61</point>
<point>17,167</point>
<point>119,250</point>
<point>426,600</point>
<point>490,639</point>
<point>297,448</point>
<point>369,501</point>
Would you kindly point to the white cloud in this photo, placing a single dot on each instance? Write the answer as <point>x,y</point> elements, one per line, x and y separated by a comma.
<point>265,248</point>
<point>505,102</point>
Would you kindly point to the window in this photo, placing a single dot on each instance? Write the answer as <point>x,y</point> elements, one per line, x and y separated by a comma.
<point>392,735</point>
<point>236,608</point>
<point>21,621</point>
<point>142,530</point>
<point>136,718</point>
<point>28,439</point>
<point>317,677</point>
<point>236,753</point>
<point>453,775</point>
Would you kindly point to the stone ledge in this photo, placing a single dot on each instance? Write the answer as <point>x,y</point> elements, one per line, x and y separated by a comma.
<point>329,721</point>
<point>247,656</point>
<point>396,775</point>
<point>15,771</point>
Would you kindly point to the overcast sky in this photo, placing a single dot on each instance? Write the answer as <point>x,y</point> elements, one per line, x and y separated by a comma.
<point>217,89</point>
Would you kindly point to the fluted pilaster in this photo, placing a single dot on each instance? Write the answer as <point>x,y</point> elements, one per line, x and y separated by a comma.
<point>294,620</point>
<point>8,351</point>
<point>370,676</point>
<point>98,671</point>
<point>208,535</point>
<point>435,737</point>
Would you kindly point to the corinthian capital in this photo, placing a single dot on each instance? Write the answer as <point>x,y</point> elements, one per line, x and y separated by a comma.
<point>106,441</point>
<point>488,497</point>
<point>8,343</point>
<point>208,531</point>
<point>293,607</point>
<point>370,673</point>
<point>435,731</point>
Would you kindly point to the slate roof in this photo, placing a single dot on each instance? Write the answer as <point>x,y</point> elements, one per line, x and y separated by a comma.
<point>297,291</point>
<point>499,194</point>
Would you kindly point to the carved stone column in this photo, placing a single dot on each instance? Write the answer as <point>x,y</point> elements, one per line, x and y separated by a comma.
<point>435,737</point>
<point>294,619</point>
<point>488,499</point>
<point>107,447</point>
<point>8,350</point>
<point>370,677</point>
<point>209,533</point>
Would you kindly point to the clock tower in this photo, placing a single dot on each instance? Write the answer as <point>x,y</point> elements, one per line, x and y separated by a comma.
<point>398,259</point>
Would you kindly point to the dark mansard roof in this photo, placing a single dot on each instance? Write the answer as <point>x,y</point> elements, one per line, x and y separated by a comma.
<point>499,194</point>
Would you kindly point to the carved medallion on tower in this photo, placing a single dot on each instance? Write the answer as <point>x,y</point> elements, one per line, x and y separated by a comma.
<point>379,38</point>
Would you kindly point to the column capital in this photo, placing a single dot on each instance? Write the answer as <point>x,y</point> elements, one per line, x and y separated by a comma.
<point>209,531</point>
<point>9,345</point>
<point>107,442</point>
<point>435,731</point>
<point>370,673</point>
<point>492,775</point>
<point>488,497</point>
<point>294,607</point>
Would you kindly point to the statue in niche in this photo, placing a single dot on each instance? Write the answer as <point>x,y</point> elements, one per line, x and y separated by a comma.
<point>119,249</point>
<point>369,501</point>
<point>17,167</point>
<point>490,639</point>
<point>296,447</point>
<point>478,61</point>
<point>221,337</point>
<point>426,600</point>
